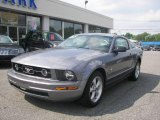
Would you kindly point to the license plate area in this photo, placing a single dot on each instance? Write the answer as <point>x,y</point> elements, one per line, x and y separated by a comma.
<point>4,52</point>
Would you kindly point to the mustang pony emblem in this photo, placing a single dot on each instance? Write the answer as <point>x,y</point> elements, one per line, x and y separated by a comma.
<point>28,70</point>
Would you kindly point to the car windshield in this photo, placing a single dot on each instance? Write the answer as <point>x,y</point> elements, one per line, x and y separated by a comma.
<point>93,42</point>
<point>5,39</point>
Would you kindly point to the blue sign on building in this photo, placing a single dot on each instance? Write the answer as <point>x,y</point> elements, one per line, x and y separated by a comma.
<point>24,3</point>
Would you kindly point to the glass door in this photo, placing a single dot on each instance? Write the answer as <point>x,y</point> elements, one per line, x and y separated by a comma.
<point>13,33</point>
<point>21,35</point>
<point>3,30</point>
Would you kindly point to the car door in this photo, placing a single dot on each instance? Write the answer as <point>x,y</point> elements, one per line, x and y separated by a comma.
<point>121,61</point>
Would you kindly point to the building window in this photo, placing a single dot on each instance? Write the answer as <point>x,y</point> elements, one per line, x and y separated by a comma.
<point>96,29</point>
<point>21,20</point>
<point>3,30</point>
<point>56,26</point>
<point>33,23</point>
<point>78,28</point>
<point>104,30</point>
<point>68,29</point>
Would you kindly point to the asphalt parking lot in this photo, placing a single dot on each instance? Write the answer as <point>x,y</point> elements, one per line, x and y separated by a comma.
<point>125,101</point>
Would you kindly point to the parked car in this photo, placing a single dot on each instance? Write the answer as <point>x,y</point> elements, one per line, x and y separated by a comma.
<point>146,47</point>
<point>36,40</point>
<point>8,49</point>
<point>135,43</point>
<point>78,68</point>
<point>156,48</point>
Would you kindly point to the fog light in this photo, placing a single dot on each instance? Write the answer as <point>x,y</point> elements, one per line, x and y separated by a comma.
<point>69,75</point>
<point>44,72</point>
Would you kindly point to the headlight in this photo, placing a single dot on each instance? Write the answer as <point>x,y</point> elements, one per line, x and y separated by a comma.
<point>16,67</point>
<point>69,75</point>
<point>65,75</point>
<point>21,50</point>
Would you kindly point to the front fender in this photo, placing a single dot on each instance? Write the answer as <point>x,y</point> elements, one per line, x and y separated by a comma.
<point>90,68</point>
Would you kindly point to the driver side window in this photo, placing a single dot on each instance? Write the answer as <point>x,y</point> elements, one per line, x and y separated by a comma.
<point>120,42</point>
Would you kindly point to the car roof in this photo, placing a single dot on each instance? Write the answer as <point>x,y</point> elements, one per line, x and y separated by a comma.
<point>101,34</point>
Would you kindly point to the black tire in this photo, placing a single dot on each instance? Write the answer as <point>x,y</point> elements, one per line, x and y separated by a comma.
<point>86,97</point>
<point>133,76</point>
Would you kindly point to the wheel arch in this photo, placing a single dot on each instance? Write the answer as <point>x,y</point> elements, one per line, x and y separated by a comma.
<point>102,71</point>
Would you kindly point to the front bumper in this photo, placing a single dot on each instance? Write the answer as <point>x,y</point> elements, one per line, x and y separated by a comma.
<point>45,88</point>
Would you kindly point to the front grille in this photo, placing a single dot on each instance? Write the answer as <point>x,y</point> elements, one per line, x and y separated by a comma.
<point>31,70</point>
<point>31,91</point>
<point>13,52</point>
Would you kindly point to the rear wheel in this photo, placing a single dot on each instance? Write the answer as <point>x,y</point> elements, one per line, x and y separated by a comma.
<point>93,91</point>
<point>135,74</point>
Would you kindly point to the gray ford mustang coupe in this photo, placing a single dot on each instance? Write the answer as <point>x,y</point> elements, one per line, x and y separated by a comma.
<point>79,68</point>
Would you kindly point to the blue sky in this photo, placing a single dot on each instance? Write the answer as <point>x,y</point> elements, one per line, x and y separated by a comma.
<point>135,16</point>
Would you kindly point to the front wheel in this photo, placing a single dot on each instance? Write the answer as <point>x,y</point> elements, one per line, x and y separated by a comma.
<point>135,74</point>
<point>93,91</point>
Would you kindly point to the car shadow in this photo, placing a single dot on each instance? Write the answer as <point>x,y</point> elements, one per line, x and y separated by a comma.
<point>116,98</point>
<point>5,65</point>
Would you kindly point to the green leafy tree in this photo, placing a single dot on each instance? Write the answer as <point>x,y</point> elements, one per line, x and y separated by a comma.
<point>141,37</point>
<point>129,35</point>
<point>157,37</point>
<point>150,38</point>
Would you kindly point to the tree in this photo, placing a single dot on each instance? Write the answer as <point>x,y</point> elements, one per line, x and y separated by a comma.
<point>129,35</point>
<point>157,37</point>
<point>141,37</point>
<point>144,37</point>
<point>150,38</point>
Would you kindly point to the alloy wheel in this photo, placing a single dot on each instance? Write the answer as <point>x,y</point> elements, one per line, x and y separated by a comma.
<point>96,89</point>
<point>137,70</point>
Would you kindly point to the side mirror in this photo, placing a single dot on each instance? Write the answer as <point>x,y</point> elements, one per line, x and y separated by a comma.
<point>120,49</point>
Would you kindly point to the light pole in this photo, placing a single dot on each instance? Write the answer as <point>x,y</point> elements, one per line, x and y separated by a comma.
<point>86,1</point>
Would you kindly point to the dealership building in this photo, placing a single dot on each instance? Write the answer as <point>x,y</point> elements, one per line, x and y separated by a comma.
<point>19,16</point>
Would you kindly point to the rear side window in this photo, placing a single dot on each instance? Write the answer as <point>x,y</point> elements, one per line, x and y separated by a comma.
<point>52,36</point>
<point>121,42</point>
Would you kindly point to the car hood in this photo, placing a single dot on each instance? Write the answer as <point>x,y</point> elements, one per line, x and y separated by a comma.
<point>10,45</point>
<point>57,58</point>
